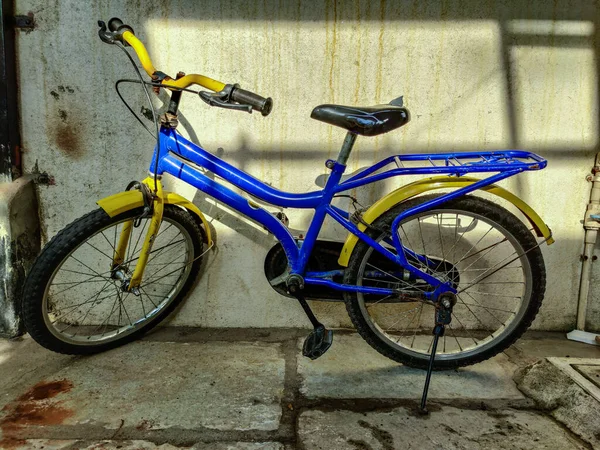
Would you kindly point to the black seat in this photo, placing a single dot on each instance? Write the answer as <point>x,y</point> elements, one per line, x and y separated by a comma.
<point>366,121</point>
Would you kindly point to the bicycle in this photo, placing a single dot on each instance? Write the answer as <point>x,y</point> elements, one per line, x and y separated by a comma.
<point>413,261</point>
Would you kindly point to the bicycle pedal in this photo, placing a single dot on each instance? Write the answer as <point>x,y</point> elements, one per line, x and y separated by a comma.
<point>317,343</point>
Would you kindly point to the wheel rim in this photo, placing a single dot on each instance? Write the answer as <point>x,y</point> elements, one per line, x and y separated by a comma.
<point>489,304</point>
<point>84,305</point>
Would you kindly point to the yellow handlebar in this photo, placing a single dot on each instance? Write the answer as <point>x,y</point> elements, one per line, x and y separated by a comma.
<point>181,83</point>
<point>141,52</point>
<point>195,78</point>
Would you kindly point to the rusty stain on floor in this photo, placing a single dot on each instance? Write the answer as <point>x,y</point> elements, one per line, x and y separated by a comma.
<point>33,408</point>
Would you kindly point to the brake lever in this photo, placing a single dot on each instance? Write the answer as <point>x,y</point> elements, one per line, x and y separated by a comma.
<point>222,99</point>
<point>105,35</point>
<point>214,99</point>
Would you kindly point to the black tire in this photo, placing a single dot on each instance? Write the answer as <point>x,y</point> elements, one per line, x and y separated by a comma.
<point>69,240</point>
<point>470,204</point>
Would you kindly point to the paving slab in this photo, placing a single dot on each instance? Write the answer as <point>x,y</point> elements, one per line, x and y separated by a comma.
<point>572,399</point>
<point>54,444</point>
<point>352,369</point>
<point>24,362</point>
<point>591,372</point>
<point>239,446</point>
<point>157,385</point>
<point>448,428</point>
<point>536,345</point>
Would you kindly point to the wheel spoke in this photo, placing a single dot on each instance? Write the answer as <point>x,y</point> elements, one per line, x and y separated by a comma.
<point>488,307</point>
<point>484,275</point>
<point>471,311</point>
<point>88,311</point>
<point>152,252</point>
<point>437,216</point>
<point>98,250</point>
<point>489,249</point>
<point>86,266</point>
<point>454,335</point>
<point>72,307</point>
<point>414,315</point>
<point>485,248</point>
<point>425,266</point>
<point>79,273</point>
<point>474,245</point>
<point>106,239</point>
<point>105,321</point>
<point>140,234</point>
<point>149,296</point>
<point>497,320</point>
<point>417,327</point>
<point>77,283</point>
<point>457,240</point>
<point>124,309</point>
<point>396,278</point>
<point>149,282</point>
<point>490,294</point>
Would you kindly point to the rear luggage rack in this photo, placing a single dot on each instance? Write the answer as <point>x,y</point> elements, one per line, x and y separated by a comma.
<point>451,164</point>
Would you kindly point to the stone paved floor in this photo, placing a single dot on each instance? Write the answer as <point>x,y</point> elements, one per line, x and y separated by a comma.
<point>251,389</point>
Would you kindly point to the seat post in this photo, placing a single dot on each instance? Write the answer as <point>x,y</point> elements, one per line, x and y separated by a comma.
<point>346,148</point>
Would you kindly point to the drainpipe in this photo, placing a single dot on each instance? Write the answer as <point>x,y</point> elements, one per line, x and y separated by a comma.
<point>591,223</point>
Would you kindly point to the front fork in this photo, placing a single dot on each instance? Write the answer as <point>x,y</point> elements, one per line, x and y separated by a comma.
<point>157,209</point>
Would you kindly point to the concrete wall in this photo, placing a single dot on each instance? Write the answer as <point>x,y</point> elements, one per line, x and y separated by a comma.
<point>475,75</point>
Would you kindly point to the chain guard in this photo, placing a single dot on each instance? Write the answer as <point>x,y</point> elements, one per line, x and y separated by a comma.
<point>324,258</point>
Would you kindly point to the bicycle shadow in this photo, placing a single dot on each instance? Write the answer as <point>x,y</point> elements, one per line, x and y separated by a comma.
<point>337,375</point>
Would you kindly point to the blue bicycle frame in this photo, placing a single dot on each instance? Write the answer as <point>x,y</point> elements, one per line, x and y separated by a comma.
<point>183,159</point>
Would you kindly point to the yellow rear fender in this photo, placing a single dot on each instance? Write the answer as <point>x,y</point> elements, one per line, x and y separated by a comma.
<point>443,182</point>
<point>124,201</point>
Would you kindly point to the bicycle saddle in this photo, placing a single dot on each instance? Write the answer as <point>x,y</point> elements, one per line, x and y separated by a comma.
<point>366,121</point>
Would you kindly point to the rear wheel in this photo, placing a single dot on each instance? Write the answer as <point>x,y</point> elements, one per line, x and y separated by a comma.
<point>489,255</point>
<point>74,301</point>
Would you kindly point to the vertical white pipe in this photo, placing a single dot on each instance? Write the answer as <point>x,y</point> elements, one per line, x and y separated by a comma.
<point>591,233</point>
<point>586,269</point>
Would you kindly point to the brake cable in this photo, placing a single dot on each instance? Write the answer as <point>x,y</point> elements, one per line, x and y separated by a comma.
<point>153,84</point>
<point>129,107</point>
<point>156,159</point>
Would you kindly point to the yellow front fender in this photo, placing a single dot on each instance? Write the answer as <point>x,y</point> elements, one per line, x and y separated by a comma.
<point>443,182</point>
<point>124,201</point>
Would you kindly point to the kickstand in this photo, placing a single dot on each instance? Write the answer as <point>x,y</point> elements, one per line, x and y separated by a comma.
<point>443,317</point>
<point>437,332</point>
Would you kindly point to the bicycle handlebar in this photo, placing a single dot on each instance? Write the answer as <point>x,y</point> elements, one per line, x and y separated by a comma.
<point>125,34</point>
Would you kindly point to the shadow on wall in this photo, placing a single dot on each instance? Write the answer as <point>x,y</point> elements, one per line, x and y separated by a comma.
<point>545,60</point>
<point>541,46</point>
<point>560,26</point>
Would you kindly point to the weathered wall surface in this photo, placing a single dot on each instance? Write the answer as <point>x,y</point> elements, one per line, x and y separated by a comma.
<point>19,245</point>
<point>475,75</point>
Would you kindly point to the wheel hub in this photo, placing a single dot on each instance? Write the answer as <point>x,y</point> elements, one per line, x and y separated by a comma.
<point>122,274</point>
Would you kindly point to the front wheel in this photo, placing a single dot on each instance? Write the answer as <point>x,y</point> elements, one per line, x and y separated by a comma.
<point>487,253</point>
<point>76,302</point>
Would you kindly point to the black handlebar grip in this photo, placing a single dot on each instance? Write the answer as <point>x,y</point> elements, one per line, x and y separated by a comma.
<point>258,103</point>
<point>116,25</point>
